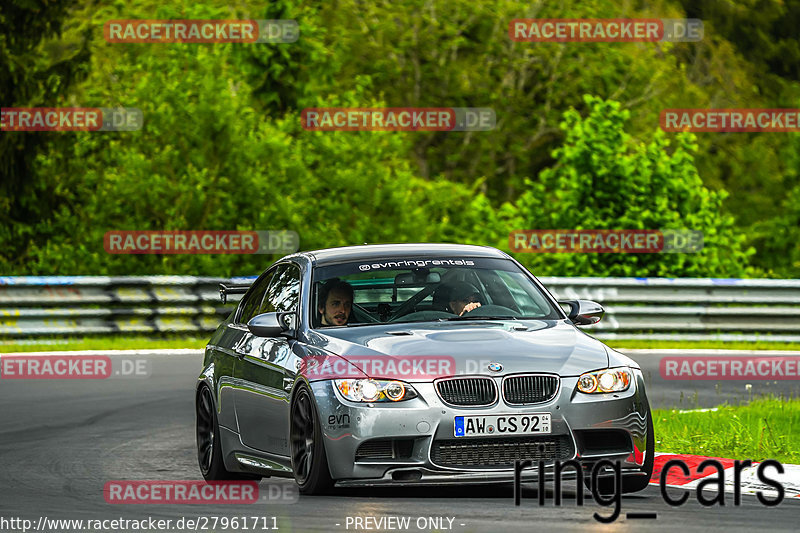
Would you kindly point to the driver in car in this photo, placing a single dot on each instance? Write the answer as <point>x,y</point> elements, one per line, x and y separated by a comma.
<point>460,297</point>
<point>335,302</point>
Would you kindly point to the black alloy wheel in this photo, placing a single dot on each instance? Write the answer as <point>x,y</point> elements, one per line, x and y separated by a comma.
<point>309,463</point>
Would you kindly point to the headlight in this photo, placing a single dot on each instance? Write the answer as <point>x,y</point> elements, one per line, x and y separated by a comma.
<point>608,380</point>
<point>375,390</point>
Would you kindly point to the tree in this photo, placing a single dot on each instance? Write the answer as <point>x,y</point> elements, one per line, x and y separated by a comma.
<point>603,179</point>
<point>37,69</point>
<point>211,155</point>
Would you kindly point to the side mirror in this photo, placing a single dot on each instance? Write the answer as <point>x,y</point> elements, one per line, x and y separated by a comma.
<point>584,312</point>
<point>269,324</point>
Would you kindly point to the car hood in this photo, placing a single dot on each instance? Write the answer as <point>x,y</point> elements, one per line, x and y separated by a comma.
<point>552,346</point>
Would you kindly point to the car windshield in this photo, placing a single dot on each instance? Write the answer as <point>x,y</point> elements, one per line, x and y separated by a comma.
<point>379,291</point>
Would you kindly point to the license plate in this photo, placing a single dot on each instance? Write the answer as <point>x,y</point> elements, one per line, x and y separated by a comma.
<point>466,426</point>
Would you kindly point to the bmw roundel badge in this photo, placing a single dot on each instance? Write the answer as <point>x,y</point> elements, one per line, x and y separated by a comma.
<point>495,367</point>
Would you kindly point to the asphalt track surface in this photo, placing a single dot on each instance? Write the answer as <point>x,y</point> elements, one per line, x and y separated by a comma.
<point>62,440</point>
<point>686,394</point>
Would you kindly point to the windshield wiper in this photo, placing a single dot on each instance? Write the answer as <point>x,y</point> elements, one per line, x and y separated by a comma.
<point>482,317</point>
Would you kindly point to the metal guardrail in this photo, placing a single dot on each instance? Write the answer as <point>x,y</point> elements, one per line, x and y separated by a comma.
<point>689,308</point>
<point>38,306</point>
<point>646,308</point>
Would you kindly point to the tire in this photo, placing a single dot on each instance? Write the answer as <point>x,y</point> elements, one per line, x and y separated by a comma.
<point>309,462</point>
<point>209,447</point>
<point>632,483</point>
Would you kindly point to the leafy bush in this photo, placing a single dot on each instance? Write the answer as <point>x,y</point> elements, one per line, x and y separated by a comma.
<point>603,179</point>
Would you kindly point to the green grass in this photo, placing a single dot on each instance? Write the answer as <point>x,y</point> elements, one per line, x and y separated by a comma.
<point>122,342</point>
<point>765,428</point>
<point>618,344</point>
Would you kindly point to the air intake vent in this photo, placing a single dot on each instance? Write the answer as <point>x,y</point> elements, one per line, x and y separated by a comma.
<point>521,390</point>
<point>467,392</point>
<point>500,452</point>
<point>385,449</point>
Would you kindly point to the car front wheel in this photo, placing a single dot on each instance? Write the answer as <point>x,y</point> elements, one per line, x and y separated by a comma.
<point>309,463</point>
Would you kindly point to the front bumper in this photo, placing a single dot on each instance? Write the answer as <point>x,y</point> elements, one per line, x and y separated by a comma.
<point>579,421</point>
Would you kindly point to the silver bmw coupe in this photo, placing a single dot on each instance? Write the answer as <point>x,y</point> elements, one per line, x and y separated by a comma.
<point>410,364</point>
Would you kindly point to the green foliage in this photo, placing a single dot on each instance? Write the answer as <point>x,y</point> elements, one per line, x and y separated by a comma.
<point>603,179</point>
<point>458,53</point>
<point>762,30</point>
<point>222,146</point>
<point>38,67</point>
<point>207,158</point>
<point>778,238</point>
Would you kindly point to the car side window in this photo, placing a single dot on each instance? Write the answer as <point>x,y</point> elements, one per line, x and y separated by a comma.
<point>252,304</point>
<point>283,293</point>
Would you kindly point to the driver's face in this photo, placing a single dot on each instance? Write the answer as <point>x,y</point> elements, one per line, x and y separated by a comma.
<point>336,311</point>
